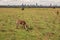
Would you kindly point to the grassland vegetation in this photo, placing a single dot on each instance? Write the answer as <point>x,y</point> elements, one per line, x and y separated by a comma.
<point>44,22</point>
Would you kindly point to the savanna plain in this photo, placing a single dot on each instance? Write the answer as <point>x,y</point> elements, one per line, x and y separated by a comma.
<point>44,24</point>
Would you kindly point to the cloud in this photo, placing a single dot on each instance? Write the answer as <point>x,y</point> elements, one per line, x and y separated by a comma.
<point>18,2</point>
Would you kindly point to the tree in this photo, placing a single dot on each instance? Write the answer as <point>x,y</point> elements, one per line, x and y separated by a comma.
<point>22,7</point>
<point>36,5</point>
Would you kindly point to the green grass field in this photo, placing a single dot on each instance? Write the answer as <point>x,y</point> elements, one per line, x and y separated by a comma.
<point>45,24</point>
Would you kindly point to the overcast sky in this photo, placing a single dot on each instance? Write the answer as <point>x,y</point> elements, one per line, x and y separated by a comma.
<point>18,2</point>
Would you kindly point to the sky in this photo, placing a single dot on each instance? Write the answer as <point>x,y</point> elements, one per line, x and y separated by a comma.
<point>19,2</point>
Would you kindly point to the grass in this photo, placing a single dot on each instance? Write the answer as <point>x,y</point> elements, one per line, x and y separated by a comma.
<point>45,24</point>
